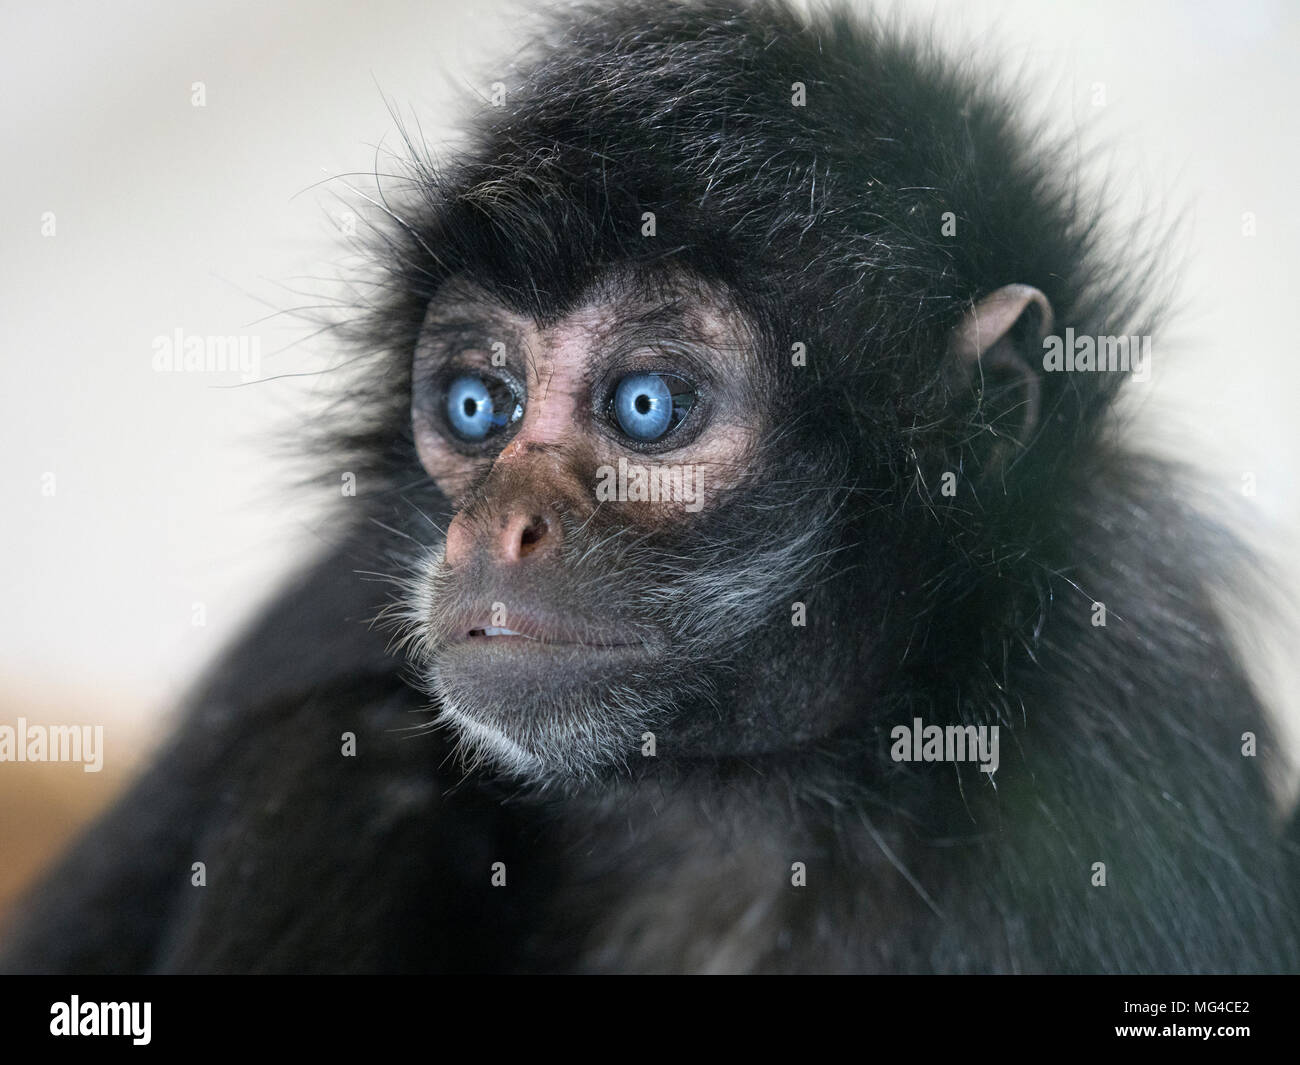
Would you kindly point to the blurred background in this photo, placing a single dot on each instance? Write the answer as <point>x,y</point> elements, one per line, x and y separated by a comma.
<point>183,167</point>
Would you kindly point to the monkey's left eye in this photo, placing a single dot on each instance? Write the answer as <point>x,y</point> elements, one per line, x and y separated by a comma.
<point>479,406</point>
<point>648,406</point>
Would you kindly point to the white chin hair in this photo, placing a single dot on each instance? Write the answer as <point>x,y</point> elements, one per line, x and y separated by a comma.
<point>480,744</point>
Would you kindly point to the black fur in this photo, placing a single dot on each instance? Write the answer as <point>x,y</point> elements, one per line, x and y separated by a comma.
<point>1121,744</point>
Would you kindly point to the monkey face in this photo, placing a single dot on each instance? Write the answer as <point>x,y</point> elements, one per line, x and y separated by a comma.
<point>595,575</point>
<point>637,530</point>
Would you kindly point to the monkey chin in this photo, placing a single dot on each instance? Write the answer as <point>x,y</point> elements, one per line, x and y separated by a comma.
<point>546,713</point>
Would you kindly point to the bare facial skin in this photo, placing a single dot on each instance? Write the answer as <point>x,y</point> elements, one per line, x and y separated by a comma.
<point>546,639</point>
<point>565,372</point>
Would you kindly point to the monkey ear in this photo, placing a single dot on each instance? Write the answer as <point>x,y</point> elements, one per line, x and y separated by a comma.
<point>996,350</point>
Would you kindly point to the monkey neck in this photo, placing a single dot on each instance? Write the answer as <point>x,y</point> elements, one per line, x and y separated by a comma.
<point>765,865</point>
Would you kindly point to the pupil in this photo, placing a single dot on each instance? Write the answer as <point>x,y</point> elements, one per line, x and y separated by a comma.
<point>470,408</point>
<point>643,404</point>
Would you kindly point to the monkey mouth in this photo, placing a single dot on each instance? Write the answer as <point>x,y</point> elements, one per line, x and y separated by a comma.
<point>538,632</point>
<point>536,664</point>
<point>492,630</point>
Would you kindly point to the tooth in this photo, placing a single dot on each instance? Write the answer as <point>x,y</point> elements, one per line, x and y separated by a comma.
<point>493,630</point>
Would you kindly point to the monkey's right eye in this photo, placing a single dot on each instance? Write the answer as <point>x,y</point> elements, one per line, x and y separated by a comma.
<point>478,406</point>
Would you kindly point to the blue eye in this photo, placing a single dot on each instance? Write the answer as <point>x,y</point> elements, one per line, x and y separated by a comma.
<point>478,406</point>
<point>647,406</point>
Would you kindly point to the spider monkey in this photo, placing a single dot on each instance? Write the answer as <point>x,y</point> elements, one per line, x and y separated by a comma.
<point>762,596</point>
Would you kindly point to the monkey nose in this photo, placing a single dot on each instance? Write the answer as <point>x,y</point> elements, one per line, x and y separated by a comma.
<point>525,532</point>
<point>504,538</point>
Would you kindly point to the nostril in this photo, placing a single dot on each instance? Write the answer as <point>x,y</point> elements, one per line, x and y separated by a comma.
<point>534,533</point>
